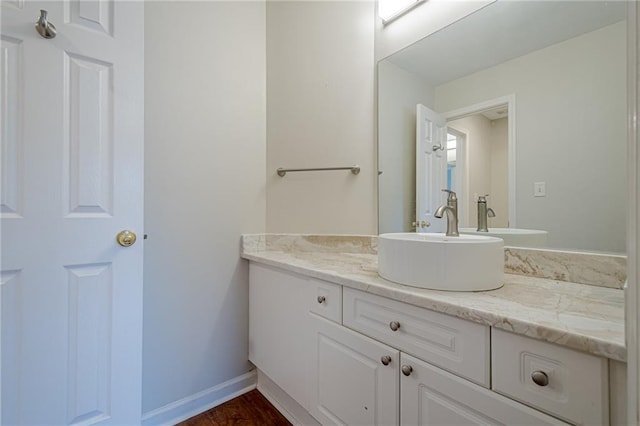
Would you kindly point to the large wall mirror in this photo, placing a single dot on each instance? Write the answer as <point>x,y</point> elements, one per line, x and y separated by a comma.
<point>534,94</point>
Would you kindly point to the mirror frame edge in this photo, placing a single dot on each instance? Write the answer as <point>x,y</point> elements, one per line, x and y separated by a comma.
<point>632,296</point>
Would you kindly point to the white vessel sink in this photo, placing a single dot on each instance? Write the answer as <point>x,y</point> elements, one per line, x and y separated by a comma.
<point>438,262</point>
<point>513,236</point>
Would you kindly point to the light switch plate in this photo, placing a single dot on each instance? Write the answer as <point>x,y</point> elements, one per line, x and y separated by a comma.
<point>539,189</point>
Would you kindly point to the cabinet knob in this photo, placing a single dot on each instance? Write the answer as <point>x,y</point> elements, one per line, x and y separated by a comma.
<point>321,299</point>
<point>394,325</point>
<point>386,360</point>
<point>540,378</point>
<point>407,370</point>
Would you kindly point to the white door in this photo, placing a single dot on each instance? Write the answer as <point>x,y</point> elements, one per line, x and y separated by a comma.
<point>431,168</point>
<point>72,158</point>
<point>431,396</point>
<point>354,382</point>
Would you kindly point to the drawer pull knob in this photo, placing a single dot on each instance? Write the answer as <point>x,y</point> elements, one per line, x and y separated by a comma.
<point>321,299</point>
<point>540,378</point>
<point>407,370</point>
<point>386,360</point>
<point>394,325</point>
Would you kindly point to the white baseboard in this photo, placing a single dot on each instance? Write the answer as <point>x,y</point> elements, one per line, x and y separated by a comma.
<point>294,412</point>
<point>195,404</point>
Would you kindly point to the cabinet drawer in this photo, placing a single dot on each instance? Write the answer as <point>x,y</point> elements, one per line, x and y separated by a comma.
<point>459,346</point>
<point>326,300</point>
<point>569,384</point>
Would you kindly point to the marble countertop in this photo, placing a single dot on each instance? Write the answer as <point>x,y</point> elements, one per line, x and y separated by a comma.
<point>588,318</point>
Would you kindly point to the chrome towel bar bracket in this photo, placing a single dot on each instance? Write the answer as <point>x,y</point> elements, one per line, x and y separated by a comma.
<point>354,169</point>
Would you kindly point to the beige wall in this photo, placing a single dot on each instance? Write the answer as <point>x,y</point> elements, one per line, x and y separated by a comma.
<point>559,130</point>
<point>205,158</point>
<point>320,114</point>
<point>320,111</point>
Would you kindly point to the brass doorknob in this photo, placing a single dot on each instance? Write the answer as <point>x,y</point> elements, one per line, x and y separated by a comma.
<point>126,238</point>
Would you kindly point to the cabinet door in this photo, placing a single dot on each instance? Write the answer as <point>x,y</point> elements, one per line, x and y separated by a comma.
<point>280,335</point>
<point>351,383</point>
<point>431,396</point>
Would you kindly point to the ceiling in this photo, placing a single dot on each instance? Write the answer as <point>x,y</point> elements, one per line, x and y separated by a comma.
<point>511,28</point>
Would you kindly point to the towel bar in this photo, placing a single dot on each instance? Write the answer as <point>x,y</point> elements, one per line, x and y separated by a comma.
<point>354,169</point>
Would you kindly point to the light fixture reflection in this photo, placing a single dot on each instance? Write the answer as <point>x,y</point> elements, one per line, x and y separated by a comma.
<point>388,10</point>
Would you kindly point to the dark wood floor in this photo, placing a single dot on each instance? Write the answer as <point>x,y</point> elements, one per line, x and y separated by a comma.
<point>249,409</point>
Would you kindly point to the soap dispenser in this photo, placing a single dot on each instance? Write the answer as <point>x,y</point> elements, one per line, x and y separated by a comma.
<point>483,213</point>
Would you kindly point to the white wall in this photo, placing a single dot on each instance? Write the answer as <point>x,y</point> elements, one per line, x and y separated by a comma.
<point>560,129</point>
<point>320,76</point>
<point>398,94</point>
<point>204,186</point>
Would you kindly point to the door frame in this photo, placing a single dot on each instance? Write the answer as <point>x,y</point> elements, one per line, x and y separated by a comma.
<point>632,295</point>
<point>510,102</point>
<point>462,177</point>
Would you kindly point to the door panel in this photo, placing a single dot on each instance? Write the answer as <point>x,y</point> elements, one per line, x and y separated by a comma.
<point>10,93</point>
<point>10,305</point>
<point>94,15</point>
<point>72,173</point>
<point>88,165</point>
<point>90,316</point>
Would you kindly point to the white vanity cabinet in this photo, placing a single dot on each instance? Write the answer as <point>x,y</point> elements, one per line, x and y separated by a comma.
<point>352,358</point>
<point>429,394</point>
<point>280,336</point>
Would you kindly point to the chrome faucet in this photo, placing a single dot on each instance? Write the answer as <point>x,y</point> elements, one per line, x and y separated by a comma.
<point>483,213</point>
<point>451,209</point>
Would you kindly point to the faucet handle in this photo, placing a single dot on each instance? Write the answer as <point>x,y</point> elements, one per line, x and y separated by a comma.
<point>452,195</point>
